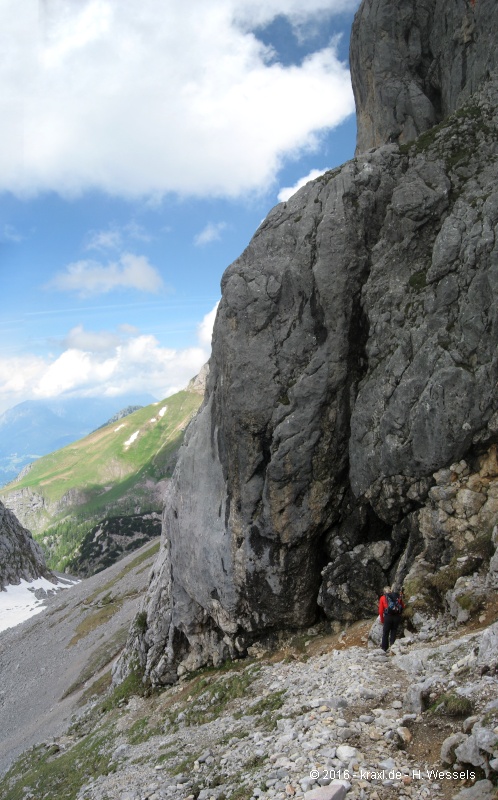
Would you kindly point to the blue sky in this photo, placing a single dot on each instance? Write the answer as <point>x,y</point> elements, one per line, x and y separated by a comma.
<point>139,151</point>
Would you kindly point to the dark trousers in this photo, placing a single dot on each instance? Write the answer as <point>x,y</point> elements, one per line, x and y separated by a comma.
<point>389,629</point>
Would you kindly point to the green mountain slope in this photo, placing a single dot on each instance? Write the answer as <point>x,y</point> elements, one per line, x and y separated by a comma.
<point>117,470</point>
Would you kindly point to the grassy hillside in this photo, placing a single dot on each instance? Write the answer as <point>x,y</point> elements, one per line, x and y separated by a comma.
<point>116,470</point>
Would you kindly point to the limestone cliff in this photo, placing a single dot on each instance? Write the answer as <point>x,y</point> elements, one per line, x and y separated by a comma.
<point>416,61</point>
<point>354,365</point>
<point>20,557</point>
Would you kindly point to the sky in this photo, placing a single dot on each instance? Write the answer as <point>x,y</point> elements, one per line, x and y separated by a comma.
<point>141,146</point>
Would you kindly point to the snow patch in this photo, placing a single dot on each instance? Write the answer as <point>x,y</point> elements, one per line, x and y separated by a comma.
<point>153,419</point>
<point>163,411</point>
<point>119,427</point>
<point>20,602</point>
<point>131,439</point>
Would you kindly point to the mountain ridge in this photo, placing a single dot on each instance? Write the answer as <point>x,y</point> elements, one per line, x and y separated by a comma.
<point>35,428</point>
<point>121,469</point>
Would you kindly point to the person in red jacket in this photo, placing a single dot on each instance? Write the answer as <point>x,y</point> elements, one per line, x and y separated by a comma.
<point>391,607</point>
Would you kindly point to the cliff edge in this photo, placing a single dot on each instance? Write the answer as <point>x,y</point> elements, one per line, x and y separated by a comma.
<point>21,558</point>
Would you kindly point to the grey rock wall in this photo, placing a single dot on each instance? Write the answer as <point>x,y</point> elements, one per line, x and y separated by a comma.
<point>21,558</point>
<point>354,357</point>
<point>415,64</point>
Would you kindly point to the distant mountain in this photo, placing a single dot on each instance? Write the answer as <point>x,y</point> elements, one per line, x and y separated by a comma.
<point>120,414</point>
<point>37,427</point>
<point>118,471</point>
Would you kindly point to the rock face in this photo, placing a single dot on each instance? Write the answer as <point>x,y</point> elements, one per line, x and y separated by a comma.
<point>111,539</point>
<point>414,65</point>
<point>21,558</point>
<point>354,358</point>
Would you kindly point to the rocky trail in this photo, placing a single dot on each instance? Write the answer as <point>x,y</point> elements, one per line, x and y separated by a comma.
<point>328,715</point>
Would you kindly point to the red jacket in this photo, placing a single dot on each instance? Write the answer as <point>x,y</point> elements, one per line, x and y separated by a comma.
<point>383,606</point>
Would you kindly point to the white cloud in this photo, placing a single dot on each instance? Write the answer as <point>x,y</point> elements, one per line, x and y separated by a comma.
<point>18,374</point>
<point>211,233</point>
<point>114,237</point>
<point>128,329</point>
<point>105,364</point>
<point>205,328</point>
<point>138,364</point>
<point>287,192</point>
<point>10,234</point>
<point>160,96</point>
<point>89,277</point>
<point>80,339</point>
<point>111,239</point>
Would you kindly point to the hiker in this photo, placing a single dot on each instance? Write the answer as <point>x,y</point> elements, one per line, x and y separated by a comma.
<point>390,610</point>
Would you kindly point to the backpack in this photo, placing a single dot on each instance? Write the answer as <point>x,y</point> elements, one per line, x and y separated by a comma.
<point>394,604</point>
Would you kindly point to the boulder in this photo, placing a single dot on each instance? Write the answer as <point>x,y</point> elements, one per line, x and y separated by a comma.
<point>332,792</point>
<point>448,747</point>
<point>488,647</point>
<point>481,790</point>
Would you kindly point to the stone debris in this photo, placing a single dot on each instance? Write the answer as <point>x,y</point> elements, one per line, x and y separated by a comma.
<point>338,725</point>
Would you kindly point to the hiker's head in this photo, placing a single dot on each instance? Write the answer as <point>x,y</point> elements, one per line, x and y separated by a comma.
<point>387,589</point>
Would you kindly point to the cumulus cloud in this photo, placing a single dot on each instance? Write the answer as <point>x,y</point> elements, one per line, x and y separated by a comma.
<point>97,342</point>
<point>287,192</point>
<point>137,363</point>
<point>18,375</point>
<point>211,233</point>
<point>110,239</point>
<point>88,277</point>
<point>115,236</point>
<point>106,364</point>
<point>162,96</point>
<point>205,328</point>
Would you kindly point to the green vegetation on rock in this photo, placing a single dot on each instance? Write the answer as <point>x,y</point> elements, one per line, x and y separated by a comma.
<point>112,473</point>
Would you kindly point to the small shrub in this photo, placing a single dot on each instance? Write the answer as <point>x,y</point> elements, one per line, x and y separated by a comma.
<point>266,708</point>
<point>140,622</point>
<point>482,546</point>
<point>255,762</point>
<point>242,793</point>
<point>452,705</point>
<point>132,686</point>
<point>445,579</point>
<point>470,603</point>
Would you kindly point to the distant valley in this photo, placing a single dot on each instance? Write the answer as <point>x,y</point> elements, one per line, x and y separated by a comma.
<point>102,496</point>
<point>35,428</point>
